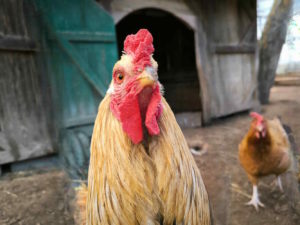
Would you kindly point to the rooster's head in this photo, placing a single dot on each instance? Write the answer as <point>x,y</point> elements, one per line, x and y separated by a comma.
<point>135,91</point>
<point>258,124</point>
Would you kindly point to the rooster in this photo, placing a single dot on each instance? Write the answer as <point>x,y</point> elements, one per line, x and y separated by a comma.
<point>141,170</point>
<point>264,150</point>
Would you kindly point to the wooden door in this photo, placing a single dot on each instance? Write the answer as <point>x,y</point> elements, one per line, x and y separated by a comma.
<point>24,130</point>
<point>80,48</point>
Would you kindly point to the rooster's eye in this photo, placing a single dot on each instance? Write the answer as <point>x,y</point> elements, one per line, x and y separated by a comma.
<point>119,78</point>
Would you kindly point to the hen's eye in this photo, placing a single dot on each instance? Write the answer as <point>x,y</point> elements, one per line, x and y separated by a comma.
<point>119,78</point>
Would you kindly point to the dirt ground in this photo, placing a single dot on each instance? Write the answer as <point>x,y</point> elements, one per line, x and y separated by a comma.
<point>227,183</point>
<point>45,197</point>
<point>35,198</point>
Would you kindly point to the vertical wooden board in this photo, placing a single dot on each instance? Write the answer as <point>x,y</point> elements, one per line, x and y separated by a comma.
<point>76,15</point>
<point>24,133</point>
<point>99,57</point>
<point>235,84</point>
<point>231,22</point>
<point>12,18</point>
<point>82,45</point>
<point>81,49</point>
<point>230,25</point>
<point>74,97</point>
<point>23,124</point>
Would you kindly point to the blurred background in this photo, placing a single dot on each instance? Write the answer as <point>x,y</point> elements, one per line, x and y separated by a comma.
<point>217,60</point>
<point>289,56</point>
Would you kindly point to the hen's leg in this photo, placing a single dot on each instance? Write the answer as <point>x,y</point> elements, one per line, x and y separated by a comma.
<point>279,183</point>
<point>255,199</point>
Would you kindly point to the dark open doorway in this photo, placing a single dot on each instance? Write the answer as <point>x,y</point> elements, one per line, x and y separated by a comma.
<point>175,53</point>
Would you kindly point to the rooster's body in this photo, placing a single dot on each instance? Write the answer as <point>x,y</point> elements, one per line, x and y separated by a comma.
<point>141,170</point>
<point>265,150</point>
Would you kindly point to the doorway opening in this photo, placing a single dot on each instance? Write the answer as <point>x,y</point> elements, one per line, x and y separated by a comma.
<point>175,54</point>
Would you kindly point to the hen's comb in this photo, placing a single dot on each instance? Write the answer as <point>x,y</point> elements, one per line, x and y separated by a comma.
<point>140,47</point>
<point>257,116</point>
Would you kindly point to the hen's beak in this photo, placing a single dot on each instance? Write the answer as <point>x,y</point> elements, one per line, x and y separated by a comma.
<point>259,128</point>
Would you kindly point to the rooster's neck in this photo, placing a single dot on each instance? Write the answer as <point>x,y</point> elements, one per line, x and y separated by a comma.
<point>139,113</point>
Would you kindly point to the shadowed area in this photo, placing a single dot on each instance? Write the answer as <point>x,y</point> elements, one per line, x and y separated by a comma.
<point>174,51</point>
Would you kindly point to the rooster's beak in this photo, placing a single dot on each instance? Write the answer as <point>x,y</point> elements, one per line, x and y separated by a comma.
<point>146,79</point>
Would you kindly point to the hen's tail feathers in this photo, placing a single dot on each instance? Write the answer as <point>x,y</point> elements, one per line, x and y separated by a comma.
<point>289,132</point>
<point>81,197</point>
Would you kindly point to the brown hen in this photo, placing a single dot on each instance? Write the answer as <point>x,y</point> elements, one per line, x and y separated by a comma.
<point>264,150</point>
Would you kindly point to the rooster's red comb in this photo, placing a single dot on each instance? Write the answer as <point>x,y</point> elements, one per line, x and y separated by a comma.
<point>140,47</point>
<point>257,116</point>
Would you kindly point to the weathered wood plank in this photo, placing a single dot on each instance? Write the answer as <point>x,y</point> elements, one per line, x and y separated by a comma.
<point>76,59</point>
<point>84,36</point>
<point>236,84</point>
<point>24,131</point>
<point>12,18</point>
<point>17,43</point>
<point>234,49</point>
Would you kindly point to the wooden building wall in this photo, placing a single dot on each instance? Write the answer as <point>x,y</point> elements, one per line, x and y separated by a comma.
<point>230,28</point>
<point>225,40</point>
<point>24,131</point>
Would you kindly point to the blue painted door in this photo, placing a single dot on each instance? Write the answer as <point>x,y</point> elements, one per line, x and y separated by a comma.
<point>80,49</point>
